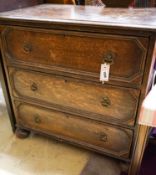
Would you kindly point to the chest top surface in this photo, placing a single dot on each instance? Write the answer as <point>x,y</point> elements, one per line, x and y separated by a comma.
<point>144,19</point>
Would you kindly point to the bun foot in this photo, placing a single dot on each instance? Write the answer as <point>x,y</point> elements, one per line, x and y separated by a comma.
<point>22,133</point>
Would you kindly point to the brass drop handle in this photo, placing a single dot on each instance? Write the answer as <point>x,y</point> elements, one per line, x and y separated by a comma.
<point>34,87</point>
<point>27,47</point>
<point>37,119</point>
<point>109,57</point>
<point>103,137</point>
<point>105,101</point>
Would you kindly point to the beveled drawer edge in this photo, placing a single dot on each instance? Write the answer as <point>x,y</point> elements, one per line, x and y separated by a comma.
<point>75,75</point>
<point>72,112</point>
<point>79,112</point>
<point>18,104</point>
<point>79,72</point>
<point>94,77</point>
<point>75,33</point>
<point>12,69</point>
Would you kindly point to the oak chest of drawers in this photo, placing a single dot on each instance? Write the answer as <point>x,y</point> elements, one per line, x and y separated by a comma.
<point>52,57</point>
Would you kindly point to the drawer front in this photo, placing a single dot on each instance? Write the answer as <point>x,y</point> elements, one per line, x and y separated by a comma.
<point>94,135</point>
<point>78,53</point>
<point>95,101</point>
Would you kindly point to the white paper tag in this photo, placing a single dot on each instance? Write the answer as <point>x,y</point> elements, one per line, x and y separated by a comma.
<point>104,73</point>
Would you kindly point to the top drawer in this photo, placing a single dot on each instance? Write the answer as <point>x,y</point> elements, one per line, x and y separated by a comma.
<point>78,53</point>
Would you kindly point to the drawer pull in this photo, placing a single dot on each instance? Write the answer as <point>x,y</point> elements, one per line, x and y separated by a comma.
<point>103,137</point>
<point>105,102</point>
<point>34,87</point>
<point>37,119</point>
<point>27,47</point>
<point>109,57</point>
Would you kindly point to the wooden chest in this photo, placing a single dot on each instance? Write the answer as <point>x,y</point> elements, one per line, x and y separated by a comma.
<point>52,57</point>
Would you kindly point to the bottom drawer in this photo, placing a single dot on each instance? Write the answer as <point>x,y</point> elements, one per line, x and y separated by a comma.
<point>100,137</point>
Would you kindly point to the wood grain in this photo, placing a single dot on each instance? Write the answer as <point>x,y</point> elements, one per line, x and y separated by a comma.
<point>144,19</point>
<point>79,52</point>
<point>99,136</point>
<point>55,83</point>
<point>77,96</point>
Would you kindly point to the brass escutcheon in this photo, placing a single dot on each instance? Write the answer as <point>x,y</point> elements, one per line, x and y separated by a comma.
<point>27,47</point>
<point>109,57</point>
<point>103,137</point>
<point>37,119</point>
<point>105,101</point>
<point>34,87</point>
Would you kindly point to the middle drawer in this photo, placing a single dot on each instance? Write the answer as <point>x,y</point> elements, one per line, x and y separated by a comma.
<point>99,102</point>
